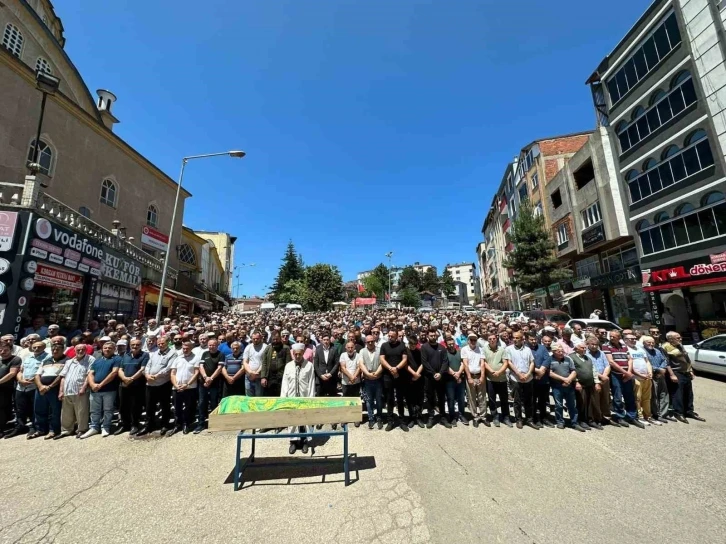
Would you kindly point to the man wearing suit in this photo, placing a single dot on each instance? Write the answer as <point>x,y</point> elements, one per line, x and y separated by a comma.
<point>326,367</point>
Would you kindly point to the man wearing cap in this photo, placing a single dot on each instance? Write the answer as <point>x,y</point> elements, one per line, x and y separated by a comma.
<point>298,380</point>
<point>131,388</point>
<point>471,357</point>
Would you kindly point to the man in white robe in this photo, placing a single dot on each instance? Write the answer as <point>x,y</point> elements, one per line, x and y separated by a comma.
<point>298,380</point>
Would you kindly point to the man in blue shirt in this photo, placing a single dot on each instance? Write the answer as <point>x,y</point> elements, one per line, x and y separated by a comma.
<point>542,354</point>
<point>131,389</point>
<point>564,375</point>
<point>601,399</point>
<point>102,376</point>
<point>660,398</point>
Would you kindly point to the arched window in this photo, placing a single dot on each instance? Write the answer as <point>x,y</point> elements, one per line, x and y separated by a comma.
<point>108,193</point>
<point>656,96</point>
<point>85,212</point>
<point>700,134</point>
<point>45,157</point>
<point>684,208</point>
<point>152,216</point>
<point>660,217</point>
<point>712,198</point>
<point>680,78</point>
<point>631,175</point>
<point>642,225</point>
<point>13,39</point>
<point>650,163</point>
<point>42,65</point>
<point>187,255</point>
<point>670,151</point>
<point>621,126</point>
<point>637,112</point>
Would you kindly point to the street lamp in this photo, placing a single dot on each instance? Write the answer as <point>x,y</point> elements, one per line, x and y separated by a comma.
<point>240,266</point>
<point>236,154</point>
<point>46,84</point>
<point>389,255</point>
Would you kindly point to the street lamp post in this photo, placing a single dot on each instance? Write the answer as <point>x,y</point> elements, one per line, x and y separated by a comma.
<point>165,270</point>
<point>389,255</point>
<point>46,84</point>
<point>240,266</point>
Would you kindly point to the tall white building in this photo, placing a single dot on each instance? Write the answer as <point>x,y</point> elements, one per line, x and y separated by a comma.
<point>466,273</point>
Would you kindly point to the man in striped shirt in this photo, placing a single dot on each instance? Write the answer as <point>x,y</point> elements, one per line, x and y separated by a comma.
<point>74,392</point>
<point>624,411</point>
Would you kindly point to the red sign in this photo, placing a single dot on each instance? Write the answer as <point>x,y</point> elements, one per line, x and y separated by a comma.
<point>718,258</point>
<point>153,238</point>
<point>58,277</point>
<point>364,301</point>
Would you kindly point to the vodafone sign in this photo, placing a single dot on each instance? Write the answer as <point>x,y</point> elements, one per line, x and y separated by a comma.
<point>154,239</point>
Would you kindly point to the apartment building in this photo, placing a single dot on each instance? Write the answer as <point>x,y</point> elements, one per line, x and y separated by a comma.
<point>466,274</point>
<point>662,94</point>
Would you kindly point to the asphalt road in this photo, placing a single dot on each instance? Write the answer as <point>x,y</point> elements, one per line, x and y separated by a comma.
<point>661,484</point>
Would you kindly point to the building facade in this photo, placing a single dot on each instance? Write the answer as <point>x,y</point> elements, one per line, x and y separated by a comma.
<point>224,244</point>
<point>662,94</point>
<point>466,274</point>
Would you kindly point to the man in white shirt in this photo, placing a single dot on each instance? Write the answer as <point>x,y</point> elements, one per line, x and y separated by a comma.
<point>520,361</point>
<point>595,314</point>
<point>298,380</point>
<point>471,357</point>
<point>202,347</point>
<point>252,360</point>
<point>184,374</point>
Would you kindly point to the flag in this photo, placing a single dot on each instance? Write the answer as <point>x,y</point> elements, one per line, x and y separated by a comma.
<point>360,288</point>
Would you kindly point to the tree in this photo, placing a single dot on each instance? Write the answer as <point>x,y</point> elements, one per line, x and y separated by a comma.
<point>294,292</point>
<point>447,283</point>
<point>410,278</point>
<point>409,297</point>
<point>290,269</point>
<point>374,287</point>
<point>381,273</point>
<point>533,259</point>
<point>324,285</point>
<point>430,281</point>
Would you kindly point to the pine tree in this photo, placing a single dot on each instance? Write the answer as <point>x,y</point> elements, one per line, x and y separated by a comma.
<point>430,282</point>
<point>533,259</point>
<point>447,283</point>
<point>290,269</point>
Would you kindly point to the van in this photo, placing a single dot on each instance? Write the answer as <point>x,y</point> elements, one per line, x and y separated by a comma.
<point>267,306</point>
<point>293,308</point>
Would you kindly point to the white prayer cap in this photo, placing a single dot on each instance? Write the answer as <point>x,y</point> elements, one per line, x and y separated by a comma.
<point>298,347</point>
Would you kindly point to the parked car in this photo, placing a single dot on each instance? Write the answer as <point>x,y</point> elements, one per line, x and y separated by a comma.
<point>267,306</point>
<point>557,317</point>
<point>595,324</point>
<point>468,309</point>
<point>709,355</point>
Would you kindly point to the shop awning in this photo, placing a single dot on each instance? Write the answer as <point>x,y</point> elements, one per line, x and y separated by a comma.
<point>527,296</point>
<point>220,299</point>
<point>203,304</point>
<point>569,296</point>
<point>172,292</point>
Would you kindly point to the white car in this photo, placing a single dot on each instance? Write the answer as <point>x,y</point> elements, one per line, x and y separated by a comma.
<point>468,309</point>
<point>709,355</point>
<point>595,324</point>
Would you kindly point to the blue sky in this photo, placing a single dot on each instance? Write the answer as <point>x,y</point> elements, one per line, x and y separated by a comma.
<point>370,125</point>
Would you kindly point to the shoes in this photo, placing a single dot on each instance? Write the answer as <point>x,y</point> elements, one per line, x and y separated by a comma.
<point>614,422</point>
<point>105,433</point>
<point>496,422</point>
<point>520,424</point>
<point>49,436</point>
<point>547,423</point>
<point>163,431</point>
<point>636,423</point>
<point>371,424</point>
<point>134,431</point>
<point>578,427</point>
<point>89,433</point>
<point>560,425</point>
<point>411,423</point>
<point>390,426</point>
<point>198,429</point>
<point>654,421</point>
<point>533,425</point>
<point>430,423</point>
<point>186,430</point>
<point>356,424</point>
<point>584,425</point>
<point>35,434</point>
<point>453,422</point>
<point>318,427</point>
<point>119,431</point>
<point>143,432</point>
<point>173,431</point>
<point>404,427</point>
<point>680,418</point>
<point>445,422</point>
<point>305,447</point>
<point>508,423</point>
<point>485,421</point>
<point>293,448</point>
<point>63,434</point>
<point>380,424</point>
<point>694,415</point>
<point>476,423</point>
<point>334,426</point>
<point>463,419</point>
<point>420,422</point>
<point>596,425</point>
<point>669,417</point>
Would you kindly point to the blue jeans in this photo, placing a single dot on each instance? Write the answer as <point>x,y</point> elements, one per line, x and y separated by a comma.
<point>622,391</point>
<point>567,394</point>
<point>373,393</point>
<point>102,405</point>
<point>253,389</point>
<point>455,395</point>
<point>208,400</point>
<point>47,411</point>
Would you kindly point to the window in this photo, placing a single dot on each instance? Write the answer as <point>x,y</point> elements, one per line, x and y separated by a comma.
<point>13,39</point>
<point>538,210</point>
<point>712,198</point>
<point>661,42</point>
<point>557,199</point>
<point>108,193</point>
<point>42,65</point>
<point>535,180</point>
<point>660,217</point>
<point>187,255</point>
<point>591,216</point>
<point>676,166</point>
<point>563,237</point>
<point>588,268</point>
<point>45,157</point>
<point>152,216</point>
<point>656,96</point>
<point>621,258</point>
<point>687,227</point>
<point>85,212</point>
<point>681,95</point>
<point>584,175</point>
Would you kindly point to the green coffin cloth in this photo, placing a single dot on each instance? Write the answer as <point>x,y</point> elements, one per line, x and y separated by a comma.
<point>239,404</point>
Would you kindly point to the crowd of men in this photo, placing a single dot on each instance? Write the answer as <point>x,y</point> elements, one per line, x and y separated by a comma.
<point>410,369</point>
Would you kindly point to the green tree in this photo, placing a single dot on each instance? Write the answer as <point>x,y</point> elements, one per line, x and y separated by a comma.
<point>324,285</point>
<point>410,278</point>
<point>533,259</point>
<point>381,273</point>
<point>374,287</point>
<point>294,292</point>
<point>430,282</point>
<point>409,297</point>
<point>447,283</point>
<point>290,269</point>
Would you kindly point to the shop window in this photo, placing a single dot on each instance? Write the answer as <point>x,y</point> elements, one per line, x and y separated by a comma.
<point>45,157</point>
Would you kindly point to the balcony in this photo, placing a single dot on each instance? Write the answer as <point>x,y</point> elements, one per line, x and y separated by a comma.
<point>503,205</point>
<point>509,248</point>
<point>507,224</point>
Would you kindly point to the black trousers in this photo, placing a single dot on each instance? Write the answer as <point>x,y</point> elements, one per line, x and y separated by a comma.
<point>273,389</point>
<point>435,394</point>
<point>158,395</point>
<point>396,390</point>
<point>327,389</point>
<point>131,404</point>
<point>416,396</point>
<point>494,390</point>
<point>352,390</point>
<point>185,404</point>
<point>584,398</point>
<point>237,388</point>
<point>683,397</point>
<point>523,400</point>
<point>541,400</point>
<point>6,406</point>
<point>24,409</point>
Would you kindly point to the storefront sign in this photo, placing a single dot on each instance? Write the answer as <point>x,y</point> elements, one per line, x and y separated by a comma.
<point>114,291</point>
<point>8,221</point>
<point>593,236</point>
<point>153,238</point>
<point>364,301</point>
<point>629,275</point>
<point>540,292</point>
<point>718,258</point>
<point>554,289</point>
<point>581,283</point>
<point>59,278</point>
<point>120,268</point>
<point>4,266</point>
<point>693,272</point>
<point>60,245</point>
